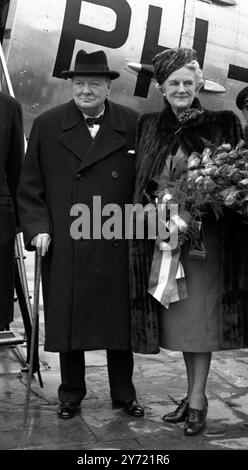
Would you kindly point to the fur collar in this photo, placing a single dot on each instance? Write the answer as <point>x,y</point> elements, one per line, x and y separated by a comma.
<point>159,134</point>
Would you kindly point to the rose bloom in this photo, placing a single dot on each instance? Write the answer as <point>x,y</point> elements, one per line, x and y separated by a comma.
<point>243,183</point>
<point>210,170</point>
<point>193,174</point>
<point>193,162</point>
<point>230,196</point>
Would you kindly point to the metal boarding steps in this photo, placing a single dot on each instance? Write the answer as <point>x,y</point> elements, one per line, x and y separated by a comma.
<point>11,337</point>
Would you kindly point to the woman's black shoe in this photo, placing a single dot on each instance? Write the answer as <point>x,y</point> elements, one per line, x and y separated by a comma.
<point>196,420</point>
<point>180,413</point>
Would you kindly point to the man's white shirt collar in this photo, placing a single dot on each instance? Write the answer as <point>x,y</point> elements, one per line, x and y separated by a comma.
<point>95,128</point>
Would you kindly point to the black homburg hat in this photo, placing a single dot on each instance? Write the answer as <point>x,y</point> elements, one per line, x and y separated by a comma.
<point>94,63</point>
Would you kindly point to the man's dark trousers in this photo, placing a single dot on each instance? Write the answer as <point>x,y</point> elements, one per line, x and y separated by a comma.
<point>120,370</point>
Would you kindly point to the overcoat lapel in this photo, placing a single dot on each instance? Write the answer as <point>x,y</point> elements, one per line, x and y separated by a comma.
<point>110,137</point>
<point>75,135</point>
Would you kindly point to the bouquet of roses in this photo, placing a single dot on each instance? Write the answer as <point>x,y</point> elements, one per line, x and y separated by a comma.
<point>221,177</point>
<point>215,179</point>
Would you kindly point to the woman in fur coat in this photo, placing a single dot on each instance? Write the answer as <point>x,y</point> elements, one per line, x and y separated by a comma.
<point>214,315</point>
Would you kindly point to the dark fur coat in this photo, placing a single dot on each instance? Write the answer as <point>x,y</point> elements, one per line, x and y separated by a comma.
<point>158,135</point>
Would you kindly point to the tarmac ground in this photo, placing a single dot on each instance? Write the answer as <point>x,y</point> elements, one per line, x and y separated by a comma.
<point>159,380</point>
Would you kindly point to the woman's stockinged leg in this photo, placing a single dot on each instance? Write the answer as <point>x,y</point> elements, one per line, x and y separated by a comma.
<point>179,414</point>
<point>201,363</point>
<point>188,359</point>
<point>195,420</point>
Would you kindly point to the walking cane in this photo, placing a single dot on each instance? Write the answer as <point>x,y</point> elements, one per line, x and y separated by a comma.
<point>38,258</point>
<point>22,292</point>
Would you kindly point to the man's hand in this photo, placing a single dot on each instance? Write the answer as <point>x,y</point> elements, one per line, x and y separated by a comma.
<point>42,241</point>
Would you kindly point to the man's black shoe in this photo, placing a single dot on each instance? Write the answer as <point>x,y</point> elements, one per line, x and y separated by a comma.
<point>131,407</point>
<point>67,410</point>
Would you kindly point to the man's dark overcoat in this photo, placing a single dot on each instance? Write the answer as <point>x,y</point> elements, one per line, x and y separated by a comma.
<point>85,281</point>
<point>11,158</point>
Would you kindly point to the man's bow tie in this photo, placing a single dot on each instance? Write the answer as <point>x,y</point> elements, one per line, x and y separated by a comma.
<point>91,121</point>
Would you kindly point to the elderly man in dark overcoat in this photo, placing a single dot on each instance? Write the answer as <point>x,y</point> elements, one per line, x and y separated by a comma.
<point>11,158</point>
<point>79,153</point>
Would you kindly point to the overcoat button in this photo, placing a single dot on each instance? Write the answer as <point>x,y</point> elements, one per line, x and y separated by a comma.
<point>115,243</point>
<point>115,174</point>
<point>78,176</point>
